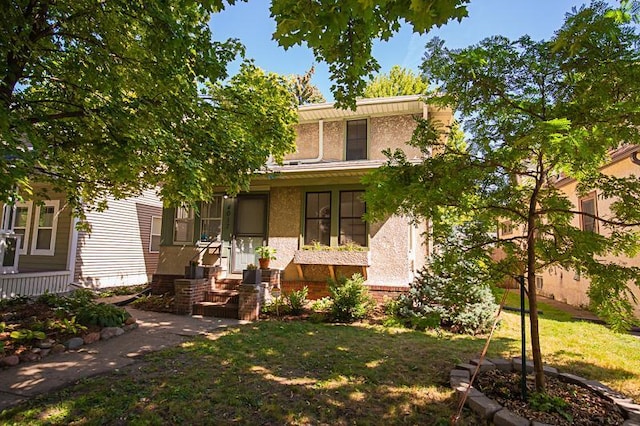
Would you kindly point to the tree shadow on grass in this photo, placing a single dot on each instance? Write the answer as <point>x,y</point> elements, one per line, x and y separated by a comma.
<point>275,373</point>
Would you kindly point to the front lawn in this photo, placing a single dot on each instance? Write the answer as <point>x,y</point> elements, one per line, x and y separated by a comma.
<point>299,372</point>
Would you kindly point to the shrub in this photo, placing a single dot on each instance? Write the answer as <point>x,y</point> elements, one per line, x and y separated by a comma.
<point>453,297</point>
<point>102,315</point>
<point>277,306</point>
<point>297,300</point>
<point>351,299</point>
<point>321,305</point>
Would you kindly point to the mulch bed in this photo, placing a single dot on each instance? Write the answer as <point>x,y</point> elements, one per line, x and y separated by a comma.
<point>583,407</point>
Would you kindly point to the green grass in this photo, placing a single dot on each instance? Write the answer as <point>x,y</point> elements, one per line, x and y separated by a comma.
<point>305,373</point>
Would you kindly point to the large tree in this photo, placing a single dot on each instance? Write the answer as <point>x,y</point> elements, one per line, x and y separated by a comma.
<point>532,111</point>
<point>112,97</point>
<point>304,91</point>
<point>399,81</point>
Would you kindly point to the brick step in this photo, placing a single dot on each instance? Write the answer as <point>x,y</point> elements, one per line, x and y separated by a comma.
<point>221,296</point>
<point>227,284</point>
<point>216,309</point>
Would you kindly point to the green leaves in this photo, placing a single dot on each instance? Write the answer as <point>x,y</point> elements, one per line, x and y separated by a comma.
<point>341,32</point>
<point>534,112</point>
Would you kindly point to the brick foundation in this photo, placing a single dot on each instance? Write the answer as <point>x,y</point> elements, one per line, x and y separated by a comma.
<point>188,292</point>
<point>320,289</point>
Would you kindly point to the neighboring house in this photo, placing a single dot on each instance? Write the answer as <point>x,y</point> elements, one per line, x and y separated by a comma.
<point>313,200</point>
<point>567,285</point>
<point>121,249</point>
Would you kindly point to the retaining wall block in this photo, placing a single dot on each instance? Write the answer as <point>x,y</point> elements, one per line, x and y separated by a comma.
<point>483,406</point>
<point>506,417</point>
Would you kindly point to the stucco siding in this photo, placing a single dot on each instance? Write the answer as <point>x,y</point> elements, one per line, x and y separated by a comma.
<point>116,251</point>
<point>285,206</point>
<point>333,141</point>
<point>566,285</point>
<point>307,138</point>
<point>391,133</point>
<point>389,245</point>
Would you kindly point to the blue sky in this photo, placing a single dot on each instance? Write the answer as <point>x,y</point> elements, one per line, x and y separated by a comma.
<point>251,23</point>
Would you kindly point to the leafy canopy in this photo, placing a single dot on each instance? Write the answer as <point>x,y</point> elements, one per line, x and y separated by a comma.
<point>341,32</point>
<point>533,111</point>
<point>399,81</point>
<point>114,97</point>
<point>304,91</point>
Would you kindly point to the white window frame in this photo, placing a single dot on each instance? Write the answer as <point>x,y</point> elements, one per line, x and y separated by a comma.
<point>151,234</point>
<point>54,227</point>
<point>27,228</point>
<point>176,219</point>
<point>219,218</point>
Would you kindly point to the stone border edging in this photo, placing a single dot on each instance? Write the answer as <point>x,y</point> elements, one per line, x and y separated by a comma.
<point>491,411</point>
<point>47,348</point>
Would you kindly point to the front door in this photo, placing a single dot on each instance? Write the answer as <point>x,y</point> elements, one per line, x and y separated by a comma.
<point>250,230</point>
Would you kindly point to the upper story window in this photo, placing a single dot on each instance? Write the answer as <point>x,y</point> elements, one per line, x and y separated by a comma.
<point>588,205</point>
<point>352,228</point>
<point>317,219</point>
<point>211,220</point>
<point>356,140</point>
<point>506,228</point>
<point>44,228</point>
<point>183,226</point>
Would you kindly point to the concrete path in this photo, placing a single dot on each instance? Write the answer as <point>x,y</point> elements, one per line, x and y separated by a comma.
<point>155,331</point>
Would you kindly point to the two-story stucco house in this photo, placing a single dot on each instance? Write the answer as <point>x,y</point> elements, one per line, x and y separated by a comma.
<point>313,200</point>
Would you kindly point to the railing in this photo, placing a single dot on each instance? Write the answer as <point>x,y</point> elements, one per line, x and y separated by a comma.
<point>33,283</point>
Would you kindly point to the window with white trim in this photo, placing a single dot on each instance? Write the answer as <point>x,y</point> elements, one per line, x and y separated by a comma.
<point>183,226</point>
<point>44,228</point>
<point>20,223</point>
<point>156,230</point>
<point>588,205</point>
<point>211,219</point>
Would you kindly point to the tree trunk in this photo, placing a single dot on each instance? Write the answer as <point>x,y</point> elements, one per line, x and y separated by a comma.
<point>531,281</point>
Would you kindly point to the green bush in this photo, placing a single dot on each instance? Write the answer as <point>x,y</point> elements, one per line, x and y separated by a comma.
<point>321,305</point>
<point>351,299</point>
<point>102,315</point>
<point>453,297</point>
<point>277,306</point>
<point>297,300</point>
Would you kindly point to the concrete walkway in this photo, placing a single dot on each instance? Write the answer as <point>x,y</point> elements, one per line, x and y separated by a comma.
<point>155,331</point>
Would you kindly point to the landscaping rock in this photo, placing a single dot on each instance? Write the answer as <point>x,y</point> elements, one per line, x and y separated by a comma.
<point>607,392</point>
<point>461,390</point>
<point>130,327</point>
<point>74,343</point>
<point>29,357</point>
<point>46,344</point>
<point>44,352</point>
<point>129,321</point>
<point>534,423</point>
<point>58,348</point>
<point>630,423</point>
<point>573,379</point>
<point>506,417</point>
<point>517,365</point>
<point>91,338</point>
<point>9,361</point>
<point>110,332</point>
<point>631,411</point>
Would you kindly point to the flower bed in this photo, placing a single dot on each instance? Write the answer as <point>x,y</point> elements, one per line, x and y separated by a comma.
<point>31,329</point>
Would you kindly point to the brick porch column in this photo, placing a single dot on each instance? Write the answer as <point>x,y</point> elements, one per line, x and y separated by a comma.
<point>188,292</point>
<point>249,303</point>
